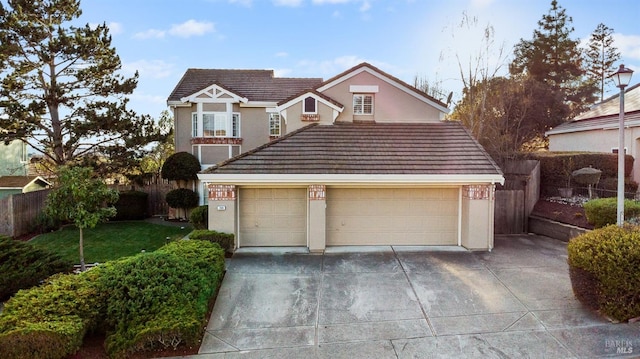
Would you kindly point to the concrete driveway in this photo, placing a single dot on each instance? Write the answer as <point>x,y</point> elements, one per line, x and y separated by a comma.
<point>409,302</point>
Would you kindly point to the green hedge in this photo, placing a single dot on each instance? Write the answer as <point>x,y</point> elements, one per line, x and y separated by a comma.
<point>225,240</point>
<point>604,211</point>
<point>555,165</point>
<point>143,302</point>
<point>604,270</point>
<point>199,217</point>
<point>23,266</point>
<point>50,321</point>
<point>161,295</point>
<point>131,205</point>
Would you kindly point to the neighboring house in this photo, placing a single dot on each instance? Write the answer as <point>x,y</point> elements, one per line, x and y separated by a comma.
<point>597,130</point>
<point>363,159</point>
<point>21,184</point>
<point>14,159</point>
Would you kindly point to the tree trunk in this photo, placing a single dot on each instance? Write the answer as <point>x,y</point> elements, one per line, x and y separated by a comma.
<point>81,249</point>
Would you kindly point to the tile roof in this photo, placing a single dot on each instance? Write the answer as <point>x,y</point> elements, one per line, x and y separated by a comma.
<point>256,85</point>
<point>611,106</point>
<point>18,181</point>
<point>605,114</point>
<point>445,148</point>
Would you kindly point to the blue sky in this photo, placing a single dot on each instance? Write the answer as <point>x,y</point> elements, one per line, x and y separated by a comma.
<point>321,38</point>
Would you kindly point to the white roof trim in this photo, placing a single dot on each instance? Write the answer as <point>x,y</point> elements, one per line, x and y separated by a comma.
<point>213,93</point>
<point>259,104</point>
<point>348,179</point>
<point>385,79</point>
<point>608,126</point>
<point>305,95</point>
<point>364,89</point>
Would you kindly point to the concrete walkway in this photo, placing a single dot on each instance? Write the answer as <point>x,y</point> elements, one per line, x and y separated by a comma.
<point>409,302</point>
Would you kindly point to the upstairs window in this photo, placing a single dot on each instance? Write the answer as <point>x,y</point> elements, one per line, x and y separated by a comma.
<point>362,104</point>
<point>309,105</point>
<point>274,124</point>
<point>216,124</point>
<point>235,125</point>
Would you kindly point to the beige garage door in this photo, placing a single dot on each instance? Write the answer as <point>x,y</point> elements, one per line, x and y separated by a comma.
<point>375,216</point>
<point>273,217</point>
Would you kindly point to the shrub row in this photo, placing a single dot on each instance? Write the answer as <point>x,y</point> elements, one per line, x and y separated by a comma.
<point>225,240</point>
<point>604,211</point>
<point>555,166</point>
<point>24,266</point>
<point>143,302</point>
<point>50,321</point>
<point>604,270</point>
<point>199,217</point>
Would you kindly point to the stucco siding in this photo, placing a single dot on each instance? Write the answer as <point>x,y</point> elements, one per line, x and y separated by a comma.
<point>391,104</point>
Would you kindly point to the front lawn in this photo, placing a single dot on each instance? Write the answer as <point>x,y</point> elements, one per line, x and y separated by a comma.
<point>109,241</point>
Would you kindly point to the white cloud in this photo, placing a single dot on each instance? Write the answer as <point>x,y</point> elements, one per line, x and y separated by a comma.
<point>115,28</point>
<point>366,5</point>
<point>282,54</point>
<point>481,3</point>
<point>150,34</point>
<point>191,28</point>
<point>282,72</point>
<point>629,46</point>
<point>245,3</point>
<point>150,69</point>
<point>322,2</point>
<point>289,3</point>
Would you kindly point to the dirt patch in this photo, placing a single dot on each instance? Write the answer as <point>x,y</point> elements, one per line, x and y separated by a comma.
<point>562,211</point>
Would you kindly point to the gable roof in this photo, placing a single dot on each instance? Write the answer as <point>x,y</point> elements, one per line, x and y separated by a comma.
<point>441,150</point>
<point>366,67</point>
<point>255,85</point>
<point>20,182</point>
<point>605,115</point>
<point>314,93</point>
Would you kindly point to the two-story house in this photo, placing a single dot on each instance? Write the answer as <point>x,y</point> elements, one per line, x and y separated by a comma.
<point>362,158</point>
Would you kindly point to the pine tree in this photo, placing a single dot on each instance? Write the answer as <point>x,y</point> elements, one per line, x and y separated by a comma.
<point>555,59</point>
<point>61,92</point>
<point>601,56</point>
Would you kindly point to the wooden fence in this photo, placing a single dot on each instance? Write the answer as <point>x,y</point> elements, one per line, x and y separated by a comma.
<point>516,199</point>
<point>19,212</point>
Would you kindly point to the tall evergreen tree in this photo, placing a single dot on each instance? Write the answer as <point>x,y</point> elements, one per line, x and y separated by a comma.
<point>601,56</point>
<point>555,59</point>
<point>61,89</point>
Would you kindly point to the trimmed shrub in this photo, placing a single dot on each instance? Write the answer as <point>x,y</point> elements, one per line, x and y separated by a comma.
<point>225,240</point>
<point>182,198</point>
<point>199,217</point>
<point>50,321</point>
<point>604,211</point>
<point>151,300</point>
<point>181,166</point>
<point>604,270</point>
<point>24,266</point>
<point>131,205</point>
<point>160,299</point>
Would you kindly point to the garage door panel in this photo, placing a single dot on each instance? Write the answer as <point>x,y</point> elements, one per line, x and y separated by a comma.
<point>272,217</point>
<point>384,216</point>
